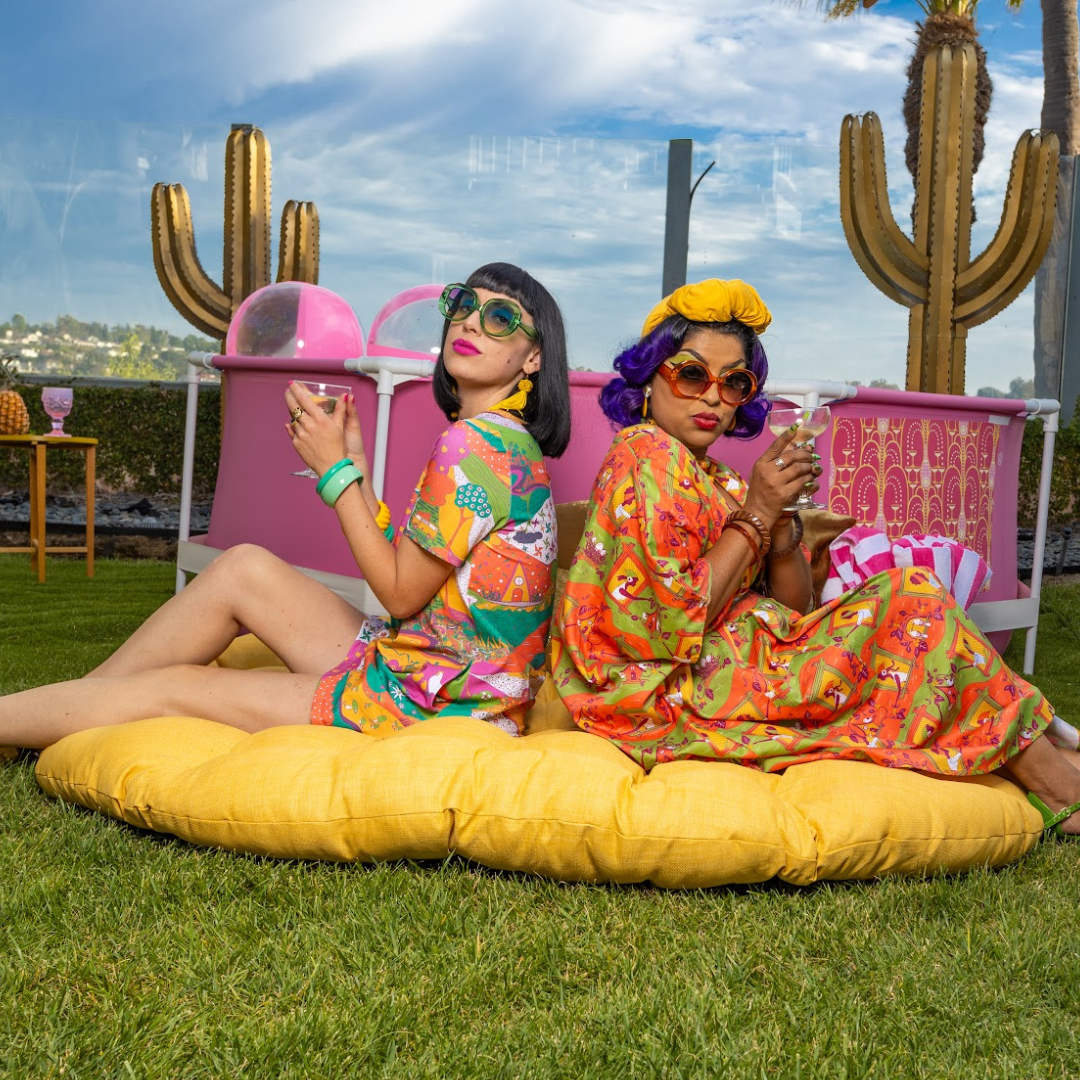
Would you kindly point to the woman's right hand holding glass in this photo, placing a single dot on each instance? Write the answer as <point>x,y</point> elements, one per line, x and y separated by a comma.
<point>780,475</point>
<point>316,435</point>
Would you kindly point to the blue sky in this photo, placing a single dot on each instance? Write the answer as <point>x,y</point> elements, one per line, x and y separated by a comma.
<point>436,136</point>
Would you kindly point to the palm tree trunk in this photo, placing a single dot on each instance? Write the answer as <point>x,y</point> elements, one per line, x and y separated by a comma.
<point>1061,55</point>
<point>948,28</point>
<point>1060,113</point>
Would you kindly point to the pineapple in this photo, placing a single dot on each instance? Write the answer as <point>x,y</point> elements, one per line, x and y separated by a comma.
<point>14,419</point>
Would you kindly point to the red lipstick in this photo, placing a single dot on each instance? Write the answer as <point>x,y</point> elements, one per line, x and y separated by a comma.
<point>706,421</point>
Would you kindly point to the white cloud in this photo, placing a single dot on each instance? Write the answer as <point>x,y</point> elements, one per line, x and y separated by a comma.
<point>712,66</point>
<point>424,132</point>
<point>543,63</point>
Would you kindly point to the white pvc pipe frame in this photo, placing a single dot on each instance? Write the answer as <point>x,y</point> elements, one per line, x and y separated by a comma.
<point>391,371</point>
<point>1049,410</point>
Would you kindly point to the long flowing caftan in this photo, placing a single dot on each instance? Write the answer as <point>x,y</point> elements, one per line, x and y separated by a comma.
<point>892,672</point>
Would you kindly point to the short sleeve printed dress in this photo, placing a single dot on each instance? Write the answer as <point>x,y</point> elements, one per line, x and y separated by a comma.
<point>893,672</point>
<point>478,648</point>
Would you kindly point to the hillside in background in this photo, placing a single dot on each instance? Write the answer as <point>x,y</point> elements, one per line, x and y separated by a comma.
<point>72,347</point>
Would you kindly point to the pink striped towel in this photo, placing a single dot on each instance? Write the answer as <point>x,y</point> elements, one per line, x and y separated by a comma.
<point>861,552</point>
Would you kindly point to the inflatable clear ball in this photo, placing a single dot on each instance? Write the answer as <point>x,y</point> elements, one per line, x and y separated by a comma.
<point>294,319</point>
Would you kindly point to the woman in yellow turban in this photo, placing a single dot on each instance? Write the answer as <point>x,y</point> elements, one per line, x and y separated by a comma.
<point>688,627</point>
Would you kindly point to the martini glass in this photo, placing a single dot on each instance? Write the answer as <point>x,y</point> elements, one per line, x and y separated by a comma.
<point>326,396</point>
<point>56,401</point>
<point>812,422</point>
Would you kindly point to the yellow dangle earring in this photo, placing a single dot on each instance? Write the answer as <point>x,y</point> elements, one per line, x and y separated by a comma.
<point>516,402</point>
<point>645,403</point>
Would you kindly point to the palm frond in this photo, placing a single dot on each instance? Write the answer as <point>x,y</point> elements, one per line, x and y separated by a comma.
<point>840,9</point>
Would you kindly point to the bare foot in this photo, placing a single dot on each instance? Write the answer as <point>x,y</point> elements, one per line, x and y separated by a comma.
<point>1071,825</point>
<point>1050,774</point>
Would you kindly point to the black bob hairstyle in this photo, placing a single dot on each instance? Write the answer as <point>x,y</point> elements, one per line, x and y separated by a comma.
<point>547,415</point>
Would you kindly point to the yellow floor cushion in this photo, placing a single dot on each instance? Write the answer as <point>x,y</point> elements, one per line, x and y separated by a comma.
<point>557,802</point>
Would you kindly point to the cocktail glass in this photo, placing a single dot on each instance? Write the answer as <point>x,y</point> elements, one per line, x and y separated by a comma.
<point>812,422</point>
<point>57,403</point>
<point>326,396</point>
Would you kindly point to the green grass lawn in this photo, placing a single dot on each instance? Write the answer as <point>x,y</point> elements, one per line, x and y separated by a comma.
<point>126,954</point>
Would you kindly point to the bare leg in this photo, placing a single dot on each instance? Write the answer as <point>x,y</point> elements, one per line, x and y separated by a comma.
<point>306,624</point>
<point>249,700</point>
<point>1071,756</point>
<point>1043,769</point>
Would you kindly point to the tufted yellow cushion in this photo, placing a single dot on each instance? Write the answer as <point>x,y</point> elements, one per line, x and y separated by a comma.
<point>557,802</point>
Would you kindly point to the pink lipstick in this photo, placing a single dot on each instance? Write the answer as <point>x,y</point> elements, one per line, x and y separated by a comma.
<point>464,347</point>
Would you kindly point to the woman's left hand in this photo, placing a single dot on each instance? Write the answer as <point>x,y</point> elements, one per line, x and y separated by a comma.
<point>354,439</point>
<point>318,439</point>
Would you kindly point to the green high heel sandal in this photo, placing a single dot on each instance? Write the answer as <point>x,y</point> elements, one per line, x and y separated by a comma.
<point>1051,821</point>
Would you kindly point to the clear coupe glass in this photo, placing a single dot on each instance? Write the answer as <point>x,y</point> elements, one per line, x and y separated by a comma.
<point>326,396</point>
<point>812,422</point>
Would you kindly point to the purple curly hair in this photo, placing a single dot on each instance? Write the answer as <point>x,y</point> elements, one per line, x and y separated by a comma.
<point>622,398</point>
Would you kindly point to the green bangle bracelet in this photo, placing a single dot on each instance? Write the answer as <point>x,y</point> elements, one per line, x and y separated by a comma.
<point>337,483</point>
<point>331,472</point>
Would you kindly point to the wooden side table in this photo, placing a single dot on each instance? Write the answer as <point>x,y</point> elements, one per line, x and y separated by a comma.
<point>39,445</point>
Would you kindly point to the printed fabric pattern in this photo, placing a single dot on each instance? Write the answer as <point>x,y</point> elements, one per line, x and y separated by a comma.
<point>478,648</point>
<point>892,672</point>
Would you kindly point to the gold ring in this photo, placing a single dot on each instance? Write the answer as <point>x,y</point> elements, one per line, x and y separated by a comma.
<point>297,413</point>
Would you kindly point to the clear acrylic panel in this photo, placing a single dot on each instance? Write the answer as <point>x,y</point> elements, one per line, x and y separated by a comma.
<point>409,323</point>
<point>584,215</point>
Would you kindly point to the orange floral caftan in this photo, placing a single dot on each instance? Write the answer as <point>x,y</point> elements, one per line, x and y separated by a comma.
<point>892,672</point>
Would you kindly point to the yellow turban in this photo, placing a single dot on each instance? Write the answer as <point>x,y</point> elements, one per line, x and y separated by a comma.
<point>713,301</point>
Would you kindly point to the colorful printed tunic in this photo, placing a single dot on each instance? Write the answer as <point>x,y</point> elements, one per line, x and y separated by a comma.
<point>892,672</point>
<point>478,647</point>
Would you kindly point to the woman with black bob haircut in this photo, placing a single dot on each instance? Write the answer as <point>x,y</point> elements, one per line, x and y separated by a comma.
<point>546,414</point>
<point>468,578</point>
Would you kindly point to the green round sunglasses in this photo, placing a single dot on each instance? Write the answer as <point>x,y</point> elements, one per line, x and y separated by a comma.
<point>498,317</point>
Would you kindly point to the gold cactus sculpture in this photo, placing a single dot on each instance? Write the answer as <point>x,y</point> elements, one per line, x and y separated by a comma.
<point>933,274</point>
<point>206,305</point>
